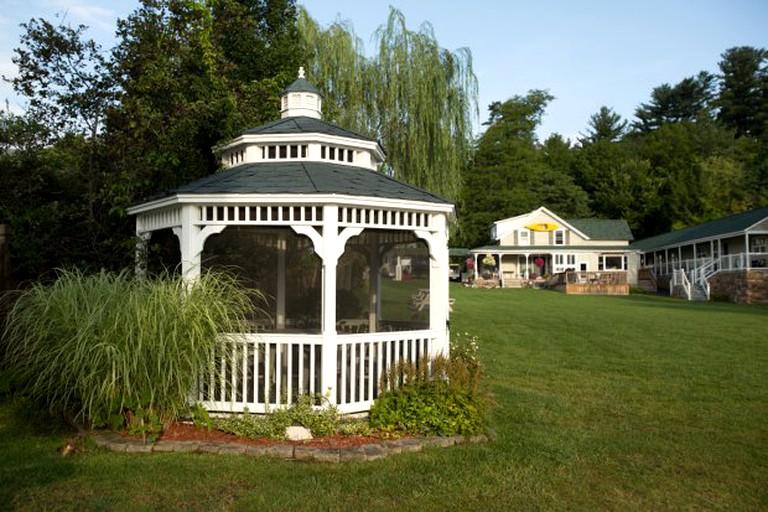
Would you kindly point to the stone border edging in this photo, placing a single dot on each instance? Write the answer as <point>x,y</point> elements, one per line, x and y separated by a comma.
<point>290,451</point>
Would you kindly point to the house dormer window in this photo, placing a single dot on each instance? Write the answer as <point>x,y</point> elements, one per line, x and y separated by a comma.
<point>558,237</point>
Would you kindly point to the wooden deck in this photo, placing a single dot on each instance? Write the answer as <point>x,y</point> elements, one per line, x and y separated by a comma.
<point>591,283</point>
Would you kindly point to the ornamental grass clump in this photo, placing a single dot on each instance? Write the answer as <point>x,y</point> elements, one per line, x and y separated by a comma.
<point>116,350</point>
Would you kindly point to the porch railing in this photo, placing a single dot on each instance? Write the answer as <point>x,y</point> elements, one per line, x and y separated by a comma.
<point>262,371</point>
<point>739,261</point>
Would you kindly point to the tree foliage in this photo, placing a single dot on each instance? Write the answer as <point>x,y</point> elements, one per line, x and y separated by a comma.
<point>606,125</point>
<point>65,78</point>
<point>509,174</point>
<point>416,97</point>
<point>688,101</point>
<point>744,90</point>
<point>104,129</point>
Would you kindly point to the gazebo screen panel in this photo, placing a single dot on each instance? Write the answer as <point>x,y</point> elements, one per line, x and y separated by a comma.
<point>256,255</point>
<point>163,254</point>
<point>385,270</point>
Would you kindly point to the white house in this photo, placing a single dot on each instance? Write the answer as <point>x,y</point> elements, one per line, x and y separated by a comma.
<point>540,244</point>
<point>726,256</point>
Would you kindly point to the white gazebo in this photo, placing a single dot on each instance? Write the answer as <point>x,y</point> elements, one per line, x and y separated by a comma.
<point>302,213</point>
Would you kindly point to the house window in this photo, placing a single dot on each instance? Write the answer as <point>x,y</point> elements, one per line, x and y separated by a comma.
<point>758,244</point>
<point>523,237</point>
<point>611,262</point>
<point>559,237</point>
<point>570,260</point>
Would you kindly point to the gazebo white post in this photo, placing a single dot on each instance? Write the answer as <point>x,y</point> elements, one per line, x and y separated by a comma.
<point>374,283</point>
<point>191,241</point>
<point>330,255</point>
<point>280,305</point>
<point>329,246</point>
<point>437,242</point>
<point>142,241</point>
<point>474,269</point>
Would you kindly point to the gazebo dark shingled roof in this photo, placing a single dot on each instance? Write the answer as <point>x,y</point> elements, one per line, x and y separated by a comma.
<point>306,178</point>
<point>305,125</point>
<point>301,85</point>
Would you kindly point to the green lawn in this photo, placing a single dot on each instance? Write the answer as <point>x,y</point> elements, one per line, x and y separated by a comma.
<point>603,403</point>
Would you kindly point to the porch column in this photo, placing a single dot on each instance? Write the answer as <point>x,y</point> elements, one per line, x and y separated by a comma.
<point>501,273</point>
<point>747,263</point>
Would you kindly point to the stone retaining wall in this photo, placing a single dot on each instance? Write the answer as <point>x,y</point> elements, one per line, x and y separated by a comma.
<point>291,451</point>
<point>741,286</point>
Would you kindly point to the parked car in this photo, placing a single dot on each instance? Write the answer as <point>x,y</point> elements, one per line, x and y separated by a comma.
<point>454,273</point>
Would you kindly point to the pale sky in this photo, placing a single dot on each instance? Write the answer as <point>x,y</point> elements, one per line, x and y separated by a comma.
<point>586,53</point>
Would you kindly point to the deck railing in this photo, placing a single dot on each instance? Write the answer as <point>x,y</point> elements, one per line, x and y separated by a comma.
<point>596,277</point>
<point>263,371</point>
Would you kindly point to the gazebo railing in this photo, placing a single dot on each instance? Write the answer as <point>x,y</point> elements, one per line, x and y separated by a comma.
<point>259,372</point>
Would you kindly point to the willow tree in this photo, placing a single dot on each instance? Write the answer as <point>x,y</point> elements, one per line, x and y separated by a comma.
<point>417,98</point>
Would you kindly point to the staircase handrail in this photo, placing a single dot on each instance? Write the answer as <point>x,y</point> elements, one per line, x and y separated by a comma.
<point>679,278</point>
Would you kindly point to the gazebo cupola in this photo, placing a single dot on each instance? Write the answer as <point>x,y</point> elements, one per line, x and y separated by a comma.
<point>301,99</point>
<point>301,212</point>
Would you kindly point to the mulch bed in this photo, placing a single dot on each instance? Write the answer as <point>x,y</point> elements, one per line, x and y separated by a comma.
<point>189,432</point>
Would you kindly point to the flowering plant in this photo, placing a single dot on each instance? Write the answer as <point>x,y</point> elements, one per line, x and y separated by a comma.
<point>464,347</point>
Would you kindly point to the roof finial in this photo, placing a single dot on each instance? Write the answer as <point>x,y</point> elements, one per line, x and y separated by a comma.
<point>301,71</point>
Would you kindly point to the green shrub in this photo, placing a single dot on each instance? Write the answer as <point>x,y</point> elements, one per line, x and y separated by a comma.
<point>440,397</point>
<point>323,421</point>
<point>114,349</point>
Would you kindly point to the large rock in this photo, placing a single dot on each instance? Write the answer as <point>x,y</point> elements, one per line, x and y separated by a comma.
<point>297,433</point>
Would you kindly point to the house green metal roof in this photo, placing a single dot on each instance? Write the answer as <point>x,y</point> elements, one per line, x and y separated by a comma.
<point>296,177</point>
<point>603,229</point>
<point>732,224</point>
<point>304,125</point>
